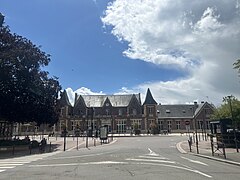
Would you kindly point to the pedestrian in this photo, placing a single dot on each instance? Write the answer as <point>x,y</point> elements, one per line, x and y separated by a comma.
<point>43,145</point>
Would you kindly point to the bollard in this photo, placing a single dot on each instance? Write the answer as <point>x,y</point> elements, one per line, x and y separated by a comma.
<point>224,152</point>
<point>211,139</point>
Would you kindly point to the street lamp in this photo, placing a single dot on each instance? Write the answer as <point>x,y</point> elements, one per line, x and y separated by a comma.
<point>233,122</point>
<point>195,123</point>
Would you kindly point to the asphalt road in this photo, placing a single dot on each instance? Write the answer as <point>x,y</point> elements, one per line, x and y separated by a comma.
<point>127,158</point>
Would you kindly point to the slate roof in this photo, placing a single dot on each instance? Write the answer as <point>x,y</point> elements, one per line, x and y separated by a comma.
<point>149,98</point>
<point>175,111</point>
<point>115,100</point>
<point>181,110</point>
<point>64,101</point>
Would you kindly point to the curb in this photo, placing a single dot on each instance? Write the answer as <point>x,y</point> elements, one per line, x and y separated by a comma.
<point>181,150</point>
<point>217,159</point>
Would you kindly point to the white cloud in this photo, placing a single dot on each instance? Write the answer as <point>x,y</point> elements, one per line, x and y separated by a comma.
<point>80,91</point>
<point>201,38</point>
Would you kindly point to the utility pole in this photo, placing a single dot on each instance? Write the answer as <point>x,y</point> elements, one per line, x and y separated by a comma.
<point>233,122</point>
<point>195,122</point>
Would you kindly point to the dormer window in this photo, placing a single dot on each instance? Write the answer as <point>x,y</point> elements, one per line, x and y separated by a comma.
<point>167,111</point>
<point>183,111</point>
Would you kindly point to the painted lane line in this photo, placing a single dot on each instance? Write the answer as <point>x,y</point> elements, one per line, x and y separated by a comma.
<point>7,167</point>
<point>132,163</point>
<point>86,155</point>
<point>151,153</point>
<point>106,162</point>
<point>152,157</point>
<point>77,164</point>
<point>194,161</point>
<point>10,164</point>
<point>180,148</point>
<point>179,167</point>
<point>2,170</point>
<point>151,160</point>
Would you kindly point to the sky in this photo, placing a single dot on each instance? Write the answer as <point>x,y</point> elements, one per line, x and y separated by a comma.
<point>182,50</point>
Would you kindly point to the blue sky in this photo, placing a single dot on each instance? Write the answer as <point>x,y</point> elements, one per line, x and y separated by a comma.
<point>126,49</point>
<point>84,53</point>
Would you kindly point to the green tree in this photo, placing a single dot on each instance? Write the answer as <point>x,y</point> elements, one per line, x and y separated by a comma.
<point>236,65</point>
<point>224,110</point>
<point>27,94</point>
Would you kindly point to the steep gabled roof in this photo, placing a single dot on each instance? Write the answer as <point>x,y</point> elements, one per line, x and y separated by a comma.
<point>149,98</point>
<point>115,100</point>
<point>202,106</point>
<point>64,101</point>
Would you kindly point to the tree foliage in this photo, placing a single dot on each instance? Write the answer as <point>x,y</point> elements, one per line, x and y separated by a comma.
<point>224,111</point>
<point>236,65</point>
<point>27,94</point>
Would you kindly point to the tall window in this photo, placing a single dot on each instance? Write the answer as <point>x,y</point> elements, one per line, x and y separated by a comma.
<point>160,124</point>
<point>178,124</point>
<point>120,112</point>
<point>72,125</point>
<point>169,125</point>
<point>150,110</point>
<point>107,112</point>
<point>136,123</point>
<point>121,126</point>
<point>134,112</point>
<point>207,125</point>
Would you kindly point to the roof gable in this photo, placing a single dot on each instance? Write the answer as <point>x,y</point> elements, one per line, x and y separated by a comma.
<point>114,100</point>
<point>64,101</point>
<point>149,98</point>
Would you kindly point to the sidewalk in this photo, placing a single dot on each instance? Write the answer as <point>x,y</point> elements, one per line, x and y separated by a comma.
<point>232,157</point>
<point>54,144</point>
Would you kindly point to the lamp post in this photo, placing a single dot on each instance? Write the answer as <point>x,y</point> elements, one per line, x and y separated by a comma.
<point>64,138</point>
<point>233,122</point>
<point>195,123</point>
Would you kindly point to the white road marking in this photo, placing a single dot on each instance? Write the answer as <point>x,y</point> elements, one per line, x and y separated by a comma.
<point>152,160</point>
<point>86,155</point>
<point>194,161</point>
<point>180,148</point>
<point>153,157</point>
<point>132,163</point>
<point>11,164</point>
<point>7,167</point>
<point>19,161</point>
<point>151,153</point>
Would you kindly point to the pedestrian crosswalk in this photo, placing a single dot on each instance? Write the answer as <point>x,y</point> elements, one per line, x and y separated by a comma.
<point>11,163</point>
